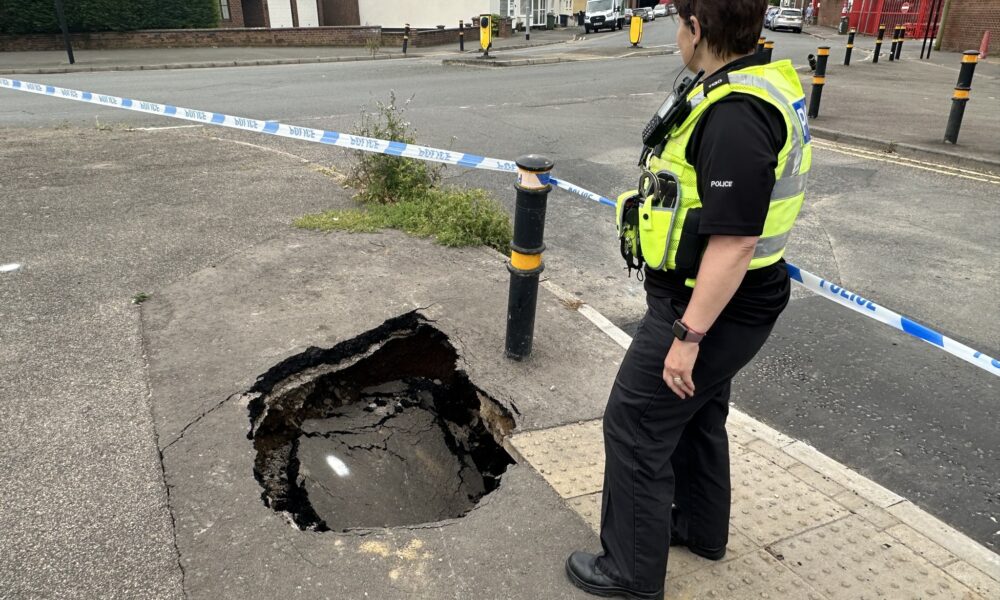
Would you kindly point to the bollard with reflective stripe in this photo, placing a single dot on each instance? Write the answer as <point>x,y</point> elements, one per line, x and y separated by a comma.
<point>406,37</point>
<point>819,80</point>
<point>760,45</point>
<point>895,42</point>
<point>850,47</point>
<point>526,264</point>
<point>899,44</point>
<point>768,49</point>
<point>961,96</point>
<point>878,43</point>
<point>461,36</point>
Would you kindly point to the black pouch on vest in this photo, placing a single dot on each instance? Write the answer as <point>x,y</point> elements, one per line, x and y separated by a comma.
<point>691,245</point>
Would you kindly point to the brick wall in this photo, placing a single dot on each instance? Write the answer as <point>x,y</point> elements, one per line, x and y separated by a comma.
<point>967,21</point>
<point>235,15</point>
<point>829,13</point>
<point>341,12</point>
<point>197,38</point>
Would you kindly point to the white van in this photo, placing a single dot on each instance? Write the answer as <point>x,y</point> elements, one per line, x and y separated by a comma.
<point>604,14</point>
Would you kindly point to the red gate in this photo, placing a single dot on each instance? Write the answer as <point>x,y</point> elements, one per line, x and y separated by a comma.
<point>867,15</point>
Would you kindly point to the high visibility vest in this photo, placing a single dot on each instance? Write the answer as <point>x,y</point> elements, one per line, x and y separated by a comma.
<point>775,83</point>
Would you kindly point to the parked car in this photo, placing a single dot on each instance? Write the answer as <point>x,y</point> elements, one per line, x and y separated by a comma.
<point>770,15</point>
<point>660,10</point>
<point>787,18</point>
<point>645,13</point>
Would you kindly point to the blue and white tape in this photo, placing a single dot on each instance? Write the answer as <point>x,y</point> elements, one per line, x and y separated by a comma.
<point>473,161</point>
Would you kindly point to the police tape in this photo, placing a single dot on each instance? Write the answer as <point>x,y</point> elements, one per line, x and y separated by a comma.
<point>307,134</point>
<point>811,282</point>
<point>859,304</point>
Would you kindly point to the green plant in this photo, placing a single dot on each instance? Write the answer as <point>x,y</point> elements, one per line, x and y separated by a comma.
<point>373,45</point>
<point>452,216</point>
<point>38,16</point>
<point>380,178</point>
<point>140,298</point>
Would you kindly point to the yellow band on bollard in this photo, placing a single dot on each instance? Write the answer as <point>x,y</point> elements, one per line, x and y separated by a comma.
<point>961,95</point>
<point>824,51</point>
<point>850,45</point>
<point>819,80</point>
<point>525,262</point>
<point>970,58</point>
<point>769,44</point>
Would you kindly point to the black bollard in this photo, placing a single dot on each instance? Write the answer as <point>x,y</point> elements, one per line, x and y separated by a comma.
<point>61,17</point>
<point>819,80</point>
<point>961,96</point>
<point>406,37</point>
<point>768,49</point>
<point>526,264</point>
<point>878,43</point>
<point>899,44</point>
<point>895,40</point>
<point>461,36</point>
<point>850,47</point>
<point>760,45</point>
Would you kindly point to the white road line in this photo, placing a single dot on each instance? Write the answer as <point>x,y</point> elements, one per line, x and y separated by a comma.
<point>9,268</point>
<point>959,544</point>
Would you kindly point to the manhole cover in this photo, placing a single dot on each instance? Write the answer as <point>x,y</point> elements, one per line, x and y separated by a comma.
<point>378,431</point>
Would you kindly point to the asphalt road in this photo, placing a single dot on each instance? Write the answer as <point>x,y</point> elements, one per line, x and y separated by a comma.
<point>920,241</point>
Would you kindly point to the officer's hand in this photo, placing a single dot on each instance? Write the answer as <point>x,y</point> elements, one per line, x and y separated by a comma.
<point>680,364</point>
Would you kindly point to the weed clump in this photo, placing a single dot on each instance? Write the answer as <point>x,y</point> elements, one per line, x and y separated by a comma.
<point>403,193</point>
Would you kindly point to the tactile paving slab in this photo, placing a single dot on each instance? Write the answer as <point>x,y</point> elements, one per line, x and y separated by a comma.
<point>852,560</point>
<point>770,504</point>
<point>570,458</point>
<point>754,576</point>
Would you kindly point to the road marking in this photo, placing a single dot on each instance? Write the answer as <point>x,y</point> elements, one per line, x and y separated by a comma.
<point>959,544</point>
<point>9,268</point>
<point>856,152</point>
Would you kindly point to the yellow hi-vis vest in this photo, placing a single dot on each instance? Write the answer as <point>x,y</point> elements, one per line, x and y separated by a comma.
<point>776,83</point>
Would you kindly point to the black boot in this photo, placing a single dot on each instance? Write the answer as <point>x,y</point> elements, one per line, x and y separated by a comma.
<point>709,553</point>
<point>581,567</point>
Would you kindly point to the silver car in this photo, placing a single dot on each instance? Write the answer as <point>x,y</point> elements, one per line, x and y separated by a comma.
<point>787,18</point>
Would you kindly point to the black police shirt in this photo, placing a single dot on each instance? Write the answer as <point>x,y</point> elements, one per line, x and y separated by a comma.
<point>734,150</point>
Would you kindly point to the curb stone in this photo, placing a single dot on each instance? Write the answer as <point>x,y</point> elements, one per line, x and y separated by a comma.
<point>903,149</point>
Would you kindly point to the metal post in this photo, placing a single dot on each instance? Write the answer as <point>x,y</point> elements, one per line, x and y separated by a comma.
<point>760,45</point>
<point>961,96</point>
<point>927,29</point>
<point>895,41</point>
<point>878,43</point>
<point>406,37</point>
<point>819,80</point>
<point>61,16</point>
<point>526,264</point>
<point>899,45</point>
<point>850,47</point>
<point>768,49</point>
<point>527,20</point>
<point>461,36</point>
<point>935,28</point>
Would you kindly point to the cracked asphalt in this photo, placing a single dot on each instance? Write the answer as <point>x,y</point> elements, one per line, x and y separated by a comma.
<point>96,214</point>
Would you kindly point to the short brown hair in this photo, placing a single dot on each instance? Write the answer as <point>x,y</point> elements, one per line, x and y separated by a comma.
<point>728,26</point>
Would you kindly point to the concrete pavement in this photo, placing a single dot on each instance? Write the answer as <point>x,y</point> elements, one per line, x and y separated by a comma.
<point>131,432</point>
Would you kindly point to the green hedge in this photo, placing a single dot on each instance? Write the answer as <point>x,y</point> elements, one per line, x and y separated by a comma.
<point>39,16</point>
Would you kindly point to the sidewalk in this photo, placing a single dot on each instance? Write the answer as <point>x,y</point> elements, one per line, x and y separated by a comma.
<point>904,105</point>
<point>803,526</point>
<point>50,62</point>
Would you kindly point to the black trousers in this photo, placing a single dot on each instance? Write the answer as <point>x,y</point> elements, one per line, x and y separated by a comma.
<point>661,450</point>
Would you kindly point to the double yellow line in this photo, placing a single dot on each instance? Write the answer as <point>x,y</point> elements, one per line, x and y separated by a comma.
<point>971,174</point>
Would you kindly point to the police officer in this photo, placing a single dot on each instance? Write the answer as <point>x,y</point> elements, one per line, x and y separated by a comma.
<point>735,166</point>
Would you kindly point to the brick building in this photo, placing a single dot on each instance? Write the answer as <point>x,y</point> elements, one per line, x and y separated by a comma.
<point>287,13</point>
<point>966,21</point>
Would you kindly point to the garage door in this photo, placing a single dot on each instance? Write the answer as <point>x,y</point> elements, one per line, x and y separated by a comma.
<point>308,13</point>
<point>280,13</point>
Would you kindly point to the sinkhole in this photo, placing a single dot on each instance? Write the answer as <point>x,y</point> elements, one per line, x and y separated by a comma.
<point>381,430</point>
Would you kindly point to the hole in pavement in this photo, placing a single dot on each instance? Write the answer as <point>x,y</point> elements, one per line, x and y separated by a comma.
<point>381,430</point>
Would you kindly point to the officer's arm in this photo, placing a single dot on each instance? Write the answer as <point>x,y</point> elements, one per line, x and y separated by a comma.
<point>723,267</point>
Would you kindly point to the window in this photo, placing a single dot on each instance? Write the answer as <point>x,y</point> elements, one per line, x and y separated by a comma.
<point>224,9</point>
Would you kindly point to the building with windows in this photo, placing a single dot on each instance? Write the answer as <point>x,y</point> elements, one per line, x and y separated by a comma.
<point>387,13</point>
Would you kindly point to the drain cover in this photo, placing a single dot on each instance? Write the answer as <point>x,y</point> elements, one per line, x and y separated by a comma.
<point>378,431</point>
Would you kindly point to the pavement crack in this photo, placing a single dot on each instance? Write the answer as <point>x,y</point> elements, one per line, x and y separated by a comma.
<point>184,431</point>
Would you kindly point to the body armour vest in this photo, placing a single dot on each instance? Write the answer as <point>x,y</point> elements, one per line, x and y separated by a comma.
<point>660,225</point>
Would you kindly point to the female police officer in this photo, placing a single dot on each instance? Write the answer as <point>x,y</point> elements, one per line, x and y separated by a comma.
<point>719,196</point>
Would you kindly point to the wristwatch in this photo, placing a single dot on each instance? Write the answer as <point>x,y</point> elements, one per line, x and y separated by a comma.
<point>685,333</point>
